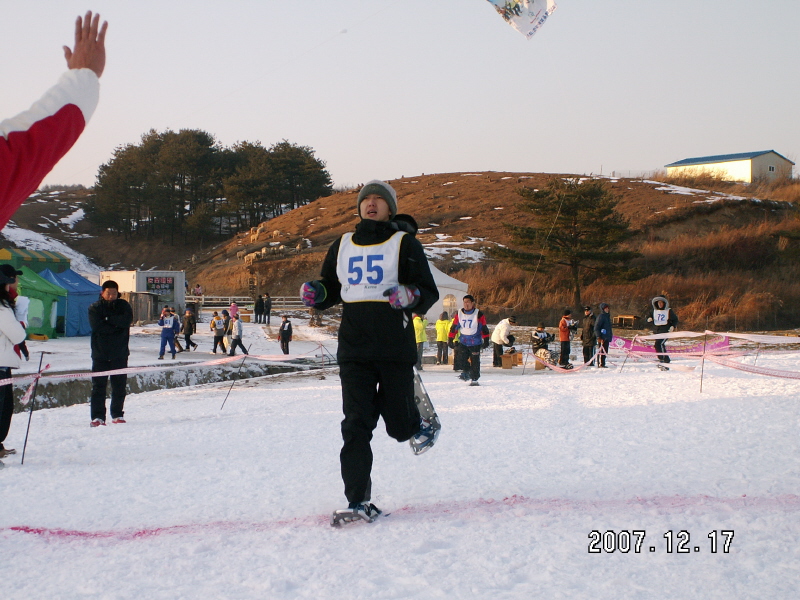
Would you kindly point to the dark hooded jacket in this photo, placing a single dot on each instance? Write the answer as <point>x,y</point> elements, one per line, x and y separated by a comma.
<point>603,324</point>
<point>657,324</point>
<point>374,330</point>
<point>111,325</point>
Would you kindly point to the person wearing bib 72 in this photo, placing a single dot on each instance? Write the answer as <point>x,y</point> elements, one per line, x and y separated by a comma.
<point>663,320</point>
<point>381,276</point>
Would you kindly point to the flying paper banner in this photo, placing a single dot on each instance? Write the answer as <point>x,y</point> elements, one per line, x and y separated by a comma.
<point>526,16</point>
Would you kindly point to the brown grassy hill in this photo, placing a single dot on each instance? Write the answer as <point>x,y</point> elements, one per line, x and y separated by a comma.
<point>682,238</point>
<point>713,255</point>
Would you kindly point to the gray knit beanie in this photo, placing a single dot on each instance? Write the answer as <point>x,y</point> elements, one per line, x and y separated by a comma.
<point>382,189</point>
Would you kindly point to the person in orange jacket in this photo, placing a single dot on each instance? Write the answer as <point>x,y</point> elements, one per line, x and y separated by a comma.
<point>566,327</point>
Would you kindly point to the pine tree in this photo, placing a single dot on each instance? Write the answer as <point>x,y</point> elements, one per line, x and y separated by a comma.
<point>575,224</point>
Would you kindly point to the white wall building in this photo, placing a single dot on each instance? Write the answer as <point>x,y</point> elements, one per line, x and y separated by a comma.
<point>169,286</point>
<point>745,167</point>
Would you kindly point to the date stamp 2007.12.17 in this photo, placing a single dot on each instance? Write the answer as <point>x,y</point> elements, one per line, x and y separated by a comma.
<point>625,541</point>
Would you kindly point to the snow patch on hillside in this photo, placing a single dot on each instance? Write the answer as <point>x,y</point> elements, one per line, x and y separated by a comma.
<point>71,220</point>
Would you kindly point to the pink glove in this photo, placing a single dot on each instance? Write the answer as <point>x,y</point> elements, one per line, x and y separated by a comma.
<point>312,292</point>
<point>402,296</point>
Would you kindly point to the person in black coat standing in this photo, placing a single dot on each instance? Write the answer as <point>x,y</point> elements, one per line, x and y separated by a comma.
<point>604,333</point>
<point>258,309</point>
<point>285,333</point>
<point>110,319</point>
<point>267,308</point>
<point>588,337</point>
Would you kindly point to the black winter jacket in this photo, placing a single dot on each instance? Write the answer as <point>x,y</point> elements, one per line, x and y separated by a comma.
<point>588,336</point>
<point>374,330</point>
<point>111,324</point>
<point>189,325</point>
<point>672,318</point>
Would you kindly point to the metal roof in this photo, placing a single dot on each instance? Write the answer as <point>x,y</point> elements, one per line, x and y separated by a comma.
<point>702,160</point>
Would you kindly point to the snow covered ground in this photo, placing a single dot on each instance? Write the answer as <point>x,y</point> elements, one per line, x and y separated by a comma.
<point>190,501</point>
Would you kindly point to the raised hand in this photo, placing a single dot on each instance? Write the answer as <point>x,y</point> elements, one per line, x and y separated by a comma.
<point>90,45</point>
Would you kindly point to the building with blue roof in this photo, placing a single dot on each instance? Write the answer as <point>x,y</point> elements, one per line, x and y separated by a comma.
<point>744,166</point>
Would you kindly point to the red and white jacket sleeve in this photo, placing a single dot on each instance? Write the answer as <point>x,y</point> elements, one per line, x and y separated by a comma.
<point>35,140</point>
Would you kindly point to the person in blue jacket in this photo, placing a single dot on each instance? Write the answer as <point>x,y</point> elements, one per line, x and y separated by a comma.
<point>170,327</point>
<point>604,333</point>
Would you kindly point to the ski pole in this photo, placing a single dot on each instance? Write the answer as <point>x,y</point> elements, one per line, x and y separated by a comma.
<point>244,358</point>
<point>30,413</point>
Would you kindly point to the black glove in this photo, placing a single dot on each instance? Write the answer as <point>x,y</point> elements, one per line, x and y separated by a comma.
<point>486,343</point>
<point>451,343</point>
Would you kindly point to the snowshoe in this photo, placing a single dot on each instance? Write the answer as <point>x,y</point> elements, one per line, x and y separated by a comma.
<point>426,437</point>
<point>663,367</point>
<point>474,382</point>
<point>430,426</point>
<point>356,511</point>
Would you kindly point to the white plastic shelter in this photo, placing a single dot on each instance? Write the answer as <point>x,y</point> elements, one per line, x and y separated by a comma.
<point>451,291</point>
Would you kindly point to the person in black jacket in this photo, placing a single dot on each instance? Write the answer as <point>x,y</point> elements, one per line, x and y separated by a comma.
<point>258,309</point>
<point>381,275</point>
<point>285,333</point>
<point>663,320</point>
<point>588,337</point>
<point>267,308</point>
<point>604,332</point>
<point>110,319</point>
<point>189,326</point>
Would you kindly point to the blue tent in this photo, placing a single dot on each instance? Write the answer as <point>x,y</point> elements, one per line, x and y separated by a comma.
<point>75,307</point>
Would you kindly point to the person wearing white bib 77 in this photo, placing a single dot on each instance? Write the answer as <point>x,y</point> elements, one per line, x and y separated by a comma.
<point>381,276</point>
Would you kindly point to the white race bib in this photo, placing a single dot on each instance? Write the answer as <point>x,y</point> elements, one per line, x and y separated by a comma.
<point>365,272</point>
<point>468,323</point>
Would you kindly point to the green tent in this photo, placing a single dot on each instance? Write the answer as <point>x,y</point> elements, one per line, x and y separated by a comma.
<point>38,260</point>
<point>44,298</point>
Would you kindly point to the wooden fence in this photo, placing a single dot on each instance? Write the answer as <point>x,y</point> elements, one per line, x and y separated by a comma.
<point>278,302</point>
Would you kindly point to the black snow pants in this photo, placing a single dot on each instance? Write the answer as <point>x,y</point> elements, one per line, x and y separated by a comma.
<point>661,350</point>
<point>371,390</point>
<point>118,388</point>
<point>6,405</point>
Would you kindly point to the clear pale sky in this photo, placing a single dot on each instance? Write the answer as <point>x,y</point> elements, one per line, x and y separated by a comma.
<point>386,88</point>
